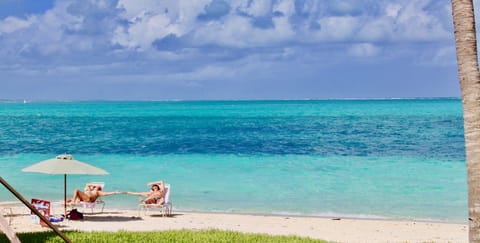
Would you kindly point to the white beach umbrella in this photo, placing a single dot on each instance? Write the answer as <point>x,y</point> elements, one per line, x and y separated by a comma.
<point>64,164</point>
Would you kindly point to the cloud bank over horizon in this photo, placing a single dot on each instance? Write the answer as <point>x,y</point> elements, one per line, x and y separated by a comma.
<point>216,49</point>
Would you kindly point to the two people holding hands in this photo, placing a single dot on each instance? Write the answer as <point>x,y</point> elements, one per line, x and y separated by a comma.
<point>92,192</point>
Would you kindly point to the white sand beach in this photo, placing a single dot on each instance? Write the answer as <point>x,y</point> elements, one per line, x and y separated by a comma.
<point>337,230</point>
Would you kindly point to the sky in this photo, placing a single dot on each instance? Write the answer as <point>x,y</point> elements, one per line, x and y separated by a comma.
<point>217,50</point>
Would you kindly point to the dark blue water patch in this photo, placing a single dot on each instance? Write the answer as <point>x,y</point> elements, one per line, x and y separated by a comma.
<point>426,136</point>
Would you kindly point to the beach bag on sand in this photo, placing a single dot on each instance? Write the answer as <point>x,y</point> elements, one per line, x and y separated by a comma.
<point>74,214</point>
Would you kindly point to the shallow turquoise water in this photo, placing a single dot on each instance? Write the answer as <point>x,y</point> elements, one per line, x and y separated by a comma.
<point>399,159</point>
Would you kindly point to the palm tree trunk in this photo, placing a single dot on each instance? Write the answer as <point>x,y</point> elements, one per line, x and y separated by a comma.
<point>466,45</point>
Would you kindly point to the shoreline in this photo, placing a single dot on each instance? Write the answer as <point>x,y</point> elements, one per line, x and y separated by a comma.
<point>56,206</point>
<point>325,228</point>
<point>333,216</point>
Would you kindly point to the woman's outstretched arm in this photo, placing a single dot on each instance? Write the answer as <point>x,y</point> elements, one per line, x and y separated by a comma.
<point>145,194</point>
<point>102,193</point>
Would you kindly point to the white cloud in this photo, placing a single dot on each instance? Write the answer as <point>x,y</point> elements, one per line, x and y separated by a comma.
<point>363,50</point>
<point>134,9</point>
<point>396,21</point>
<point>143,33</point>
<point>55,32</point>
<point>135,25</point>
<point>337,28</point>
<point>392,10</point>
<point>254,8</point>
<point>377,30</point>
<point>152,20</point>
<point>287,7</point>
<point>413,23</point>
<point>11,24</point>
<point>407,22</point>
<point>237,31</point>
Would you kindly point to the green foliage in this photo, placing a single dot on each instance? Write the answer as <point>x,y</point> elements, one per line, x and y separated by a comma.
<point>158,236</point>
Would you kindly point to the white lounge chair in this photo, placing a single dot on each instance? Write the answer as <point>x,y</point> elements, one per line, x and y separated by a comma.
<point>91,205</point>
<point>165,209</point>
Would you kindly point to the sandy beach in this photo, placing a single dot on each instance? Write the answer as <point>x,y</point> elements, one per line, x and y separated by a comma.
<point>331,229</point>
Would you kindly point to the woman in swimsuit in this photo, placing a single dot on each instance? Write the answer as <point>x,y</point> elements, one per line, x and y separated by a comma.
<point>90,194</point>
<point>155,196</point>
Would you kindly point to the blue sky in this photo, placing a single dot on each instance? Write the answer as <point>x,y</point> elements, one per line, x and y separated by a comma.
<point>216,49</point>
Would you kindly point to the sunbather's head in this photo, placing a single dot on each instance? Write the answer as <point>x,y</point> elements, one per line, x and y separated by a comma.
<point>155,188</point>
<point>91,187</point>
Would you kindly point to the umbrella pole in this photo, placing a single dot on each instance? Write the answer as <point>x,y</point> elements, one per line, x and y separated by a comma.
<point>65,194</point>
<point>34,210</point>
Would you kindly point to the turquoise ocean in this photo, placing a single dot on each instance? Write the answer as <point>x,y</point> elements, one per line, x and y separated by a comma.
<point>392,158</point>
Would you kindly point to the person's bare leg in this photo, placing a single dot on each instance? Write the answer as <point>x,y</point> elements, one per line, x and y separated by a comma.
<point>80,196</point>
<point>75,196</point>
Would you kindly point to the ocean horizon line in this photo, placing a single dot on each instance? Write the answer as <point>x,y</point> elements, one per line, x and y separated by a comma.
<point>217,100</point>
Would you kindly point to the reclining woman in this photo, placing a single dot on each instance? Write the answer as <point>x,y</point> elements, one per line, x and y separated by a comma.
<point>155,196</point>
<point>90,194</point>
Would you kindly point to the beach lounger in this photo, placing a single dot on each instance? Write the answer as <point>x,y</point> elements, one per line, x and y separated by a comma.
<point>165,208</point>
<point>99,203</point>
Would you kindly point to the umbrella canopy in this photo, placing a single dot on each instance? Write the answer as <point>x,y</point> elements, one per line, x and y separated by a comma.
<point>64,164</point>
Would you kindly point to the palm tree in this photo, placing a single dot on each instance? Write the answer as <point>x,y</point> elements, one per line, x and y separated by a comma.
<point>467,60</point>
